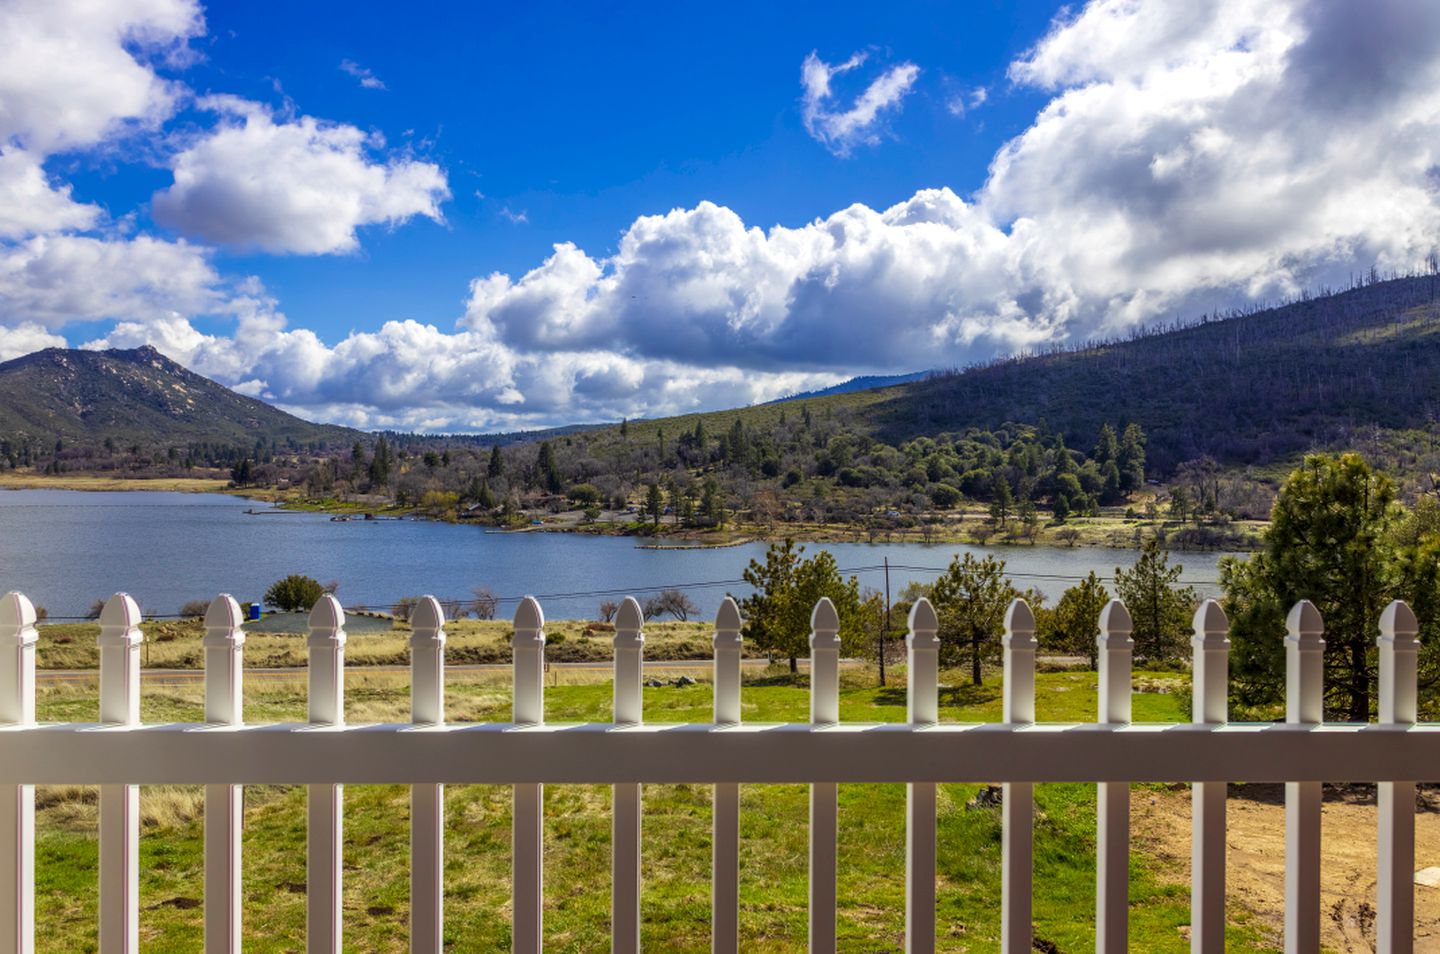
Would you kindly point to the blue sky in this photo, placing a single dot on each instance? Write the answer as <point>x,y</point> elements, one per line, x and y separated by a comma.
<point>475,217</point>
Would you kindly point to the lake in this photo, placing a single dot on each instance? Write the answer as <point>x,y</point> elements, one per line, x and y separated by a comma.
<point>64,549</point>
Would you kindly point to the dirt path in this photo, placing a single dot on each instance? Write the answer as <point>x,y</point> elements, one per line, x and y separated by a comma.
<point>1255,873</point>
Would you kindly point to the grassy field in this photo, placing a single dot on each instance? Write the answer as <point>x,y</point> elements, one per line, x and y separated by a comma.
<point>29,481</point>
<point>675,901</point>
<point>175,644</point>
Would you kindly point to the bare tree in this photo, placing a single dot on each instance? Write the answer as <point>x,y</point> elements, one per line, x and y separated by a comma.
<point>484,603</point>
<point>608,609</point>
<point>677,604</point>
<point>652,607</point>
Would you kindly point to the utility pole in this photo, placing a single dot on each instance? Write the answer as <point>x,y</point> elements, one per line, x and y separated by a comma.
<point>885,625</point>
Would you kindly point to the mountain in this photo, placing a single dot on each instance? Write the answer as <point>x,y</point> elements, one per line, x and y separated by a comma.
<point>1358,368</point>
<point>867,382</point>
<point>140,397</point>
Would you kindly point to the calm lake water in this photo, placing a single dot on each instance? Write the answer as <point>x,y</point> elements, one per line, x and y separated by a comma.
<point>64,549</point>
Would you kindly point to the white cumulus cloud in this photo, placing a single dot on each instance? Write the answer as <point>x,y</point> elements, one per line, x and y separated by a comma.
<point>302,185</point>
<point>841,130</point>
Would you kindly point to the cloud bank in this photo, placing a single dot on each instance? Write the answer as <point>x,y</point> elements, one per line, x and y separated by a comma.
<point>1189,156</point>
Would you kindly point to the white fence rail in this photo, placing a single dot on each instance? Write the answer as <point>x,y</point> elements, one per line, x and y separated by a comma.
<point>119,753</point>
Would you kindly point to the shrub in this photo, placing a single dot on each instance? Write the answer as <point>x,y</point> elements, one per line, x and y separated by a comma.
<point>295,593</point>
<point>194,608</point>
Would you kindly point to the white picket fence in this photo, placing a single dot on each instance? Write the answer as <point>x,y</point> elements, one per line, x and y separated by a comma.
<point>120,753</point>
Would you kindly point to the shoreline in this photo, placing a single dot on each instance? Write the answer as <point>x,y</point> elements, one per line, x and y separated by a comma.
<point>964,527</point>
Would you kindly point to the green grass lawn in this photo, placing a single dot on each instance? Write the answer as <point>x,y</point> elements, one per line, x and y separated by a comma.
<point>676,851</point>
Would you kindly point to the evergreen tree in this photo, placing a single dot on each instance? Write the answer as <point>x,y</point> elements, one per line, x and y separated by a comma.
<point>1074,625</point>
<point>655,504</point>
<point>1159,609</point>
<point>1131,459</point>
<point>1003,500</point>
<point>1106,448</point>
<point>381,463</point>
<point>1329,542</point>
<point>496,466</point>
<point>971,599</point>
<point>787,587</point>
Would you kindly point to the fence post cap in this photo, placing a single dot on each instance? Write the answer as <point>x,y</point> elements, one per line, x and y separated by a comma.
<point>727,618</point>
<point>427,614</point>
<point>1399,627</point>
<point>1304,626</point>
<point>923,625</point>
<point>629,623</point>
<point>427,621</point>
<point>1115,624</point>
<point>17,618</point>
<point>1211,626</point>
<point>222,622</point>
<point>327,620</point>
<point>1020,618</point>
<point>824,625</point>
<point>529,623</point>
<point>120,621</point>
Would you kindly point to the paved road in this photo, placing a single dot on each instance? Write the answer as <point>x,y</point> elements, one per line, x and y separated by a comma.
<point>176,677</point>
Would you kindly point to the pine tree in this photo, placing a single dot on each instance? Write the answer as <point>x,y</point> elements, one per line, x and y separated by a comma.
<point>1159,609</point>
<point>496,466</point>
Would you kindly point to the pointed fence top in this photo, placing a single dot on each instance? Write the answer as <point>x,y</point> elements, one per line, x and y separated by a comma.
<point>17,619</point>
<point>1211,626</point>
<point>824,625</point>
<point>529,623</point>
<point>222,622</point>
<point>1304,626</point>
<point>629,624</point>
<point>1115,624</point>
<point>923,625</point>
<point>1019,625</point>
<point>727,618</point>
<point>120,621</point>
<point>427,620</point>
<point>1397,625</point>
<point>327,618</point>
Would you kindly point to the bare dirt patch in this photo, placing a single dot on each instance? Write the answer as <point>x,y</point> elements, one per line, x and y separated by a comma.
<point>1255,869</point>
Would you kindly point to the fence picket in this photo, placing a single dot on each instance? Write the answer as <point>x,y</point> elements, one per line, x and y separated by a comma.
<point>1112,869</point>
<point>17,802</point>
<point>1017,802</point>
<point>325,803</point>
<point>725,847</point>
<point>1395,882</point>
<point>1209,687</point>
<point>427,802</point>
<point>922,650</point>
<point>223,643</point>
<point>527,826</point>
<point>119,642</point>
<point>625,818</point>
<point>1304,687</point>
<point>824,810</point>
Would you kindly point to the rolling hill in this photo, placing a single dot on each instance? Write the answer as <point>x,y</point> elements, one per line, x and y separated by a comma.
<point>1358,368</point>
<point>137,397</point>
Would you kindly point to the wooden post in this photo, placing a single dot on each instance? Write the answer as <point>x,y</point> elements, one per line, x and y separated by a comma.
<point>325,808</point>
<point>1395,878</point>
<point>527,833</point>
<point>120,640</point>
<point>1304,687</point>
<point>625,819</point>
<point>824,814</point>
<point>725,857</point>
<point>17,802</point>
<point>1017,803</point>
<point>1112,874</point>
<point>427,802</point>
<point>1209,688</point>
<point>224,645</point>
<point>922,705</point>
